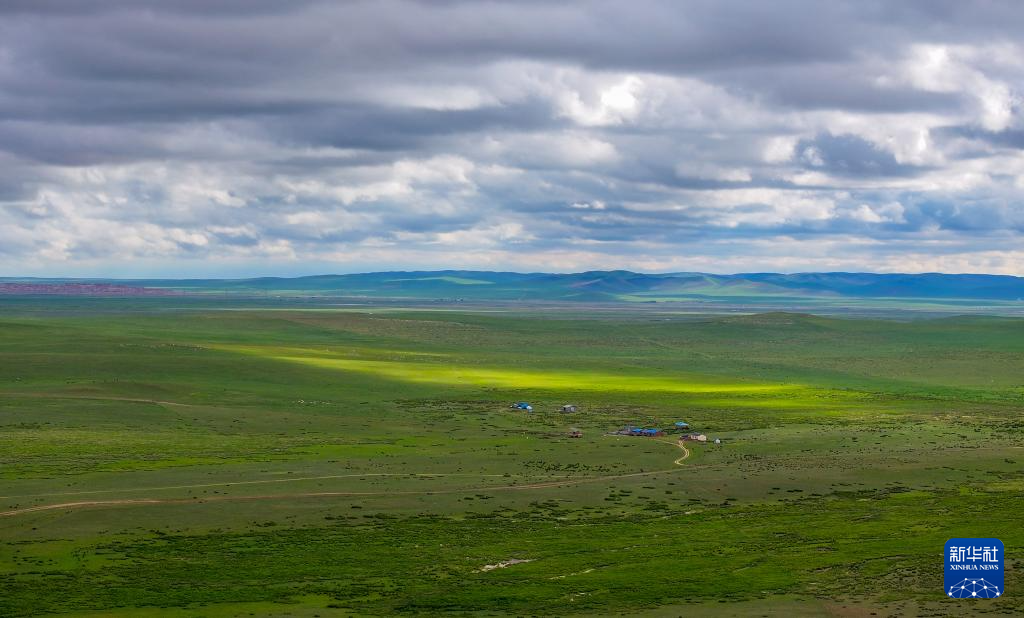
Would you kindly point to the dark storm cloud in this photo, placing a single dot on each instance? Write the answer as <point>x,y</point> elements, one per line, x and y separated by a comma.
<point>838,86</point>
<point>376,127</point>
<point>1009,138</point>
<point>143,53</point>
<point>314,130</point>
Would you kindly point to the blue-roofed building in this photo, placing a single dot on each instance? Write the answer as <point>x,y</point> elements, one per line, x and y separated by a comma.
<point>647,433</point>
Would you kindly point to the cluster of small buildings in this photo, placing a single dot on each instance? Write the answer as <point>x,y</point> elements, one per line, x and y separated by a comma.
<point>680,427</point>
<point>640,431</point>
<point>698,437</point>
<point>630,430</point>
<point>523,405</point>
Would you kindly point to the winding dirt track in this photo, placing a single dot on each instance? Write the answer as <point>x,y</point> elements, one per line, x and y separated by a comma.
<point>686,451</point>
<point>326,494</point>
<point>259,482</point>
<point>99,398</point>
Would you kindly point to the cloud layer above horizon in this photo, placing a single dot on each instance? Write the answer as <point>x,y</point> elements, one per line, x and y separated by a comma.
<point>236,138</point>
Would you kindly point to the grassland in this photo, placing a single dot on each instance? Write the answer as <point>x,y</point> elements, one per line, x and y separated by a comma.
<point>162,458</point>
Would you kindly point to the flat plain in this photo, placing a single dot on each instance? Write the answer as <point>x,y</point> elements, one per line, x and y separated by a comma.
<point>161,458</point>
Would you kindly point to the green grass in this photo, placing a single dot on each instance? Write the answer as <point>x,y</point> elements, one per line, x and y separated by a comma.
<point>296,462</point>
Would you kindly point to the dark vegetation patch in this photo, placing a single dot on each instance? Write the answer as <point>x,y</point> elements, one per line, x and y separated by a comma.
<point>837,546</point>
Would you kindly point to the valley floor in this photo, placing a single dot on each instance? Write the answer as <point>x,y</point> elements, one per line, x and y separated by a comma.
<point>200,462</point>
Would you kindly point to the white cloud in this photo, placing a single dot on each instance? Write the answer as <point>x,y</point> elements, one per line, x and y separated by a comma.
<point>370,136</point>
<point>953,69</point>
<point>778,149</point>
<point>616,103</point>
<point>891,212</point>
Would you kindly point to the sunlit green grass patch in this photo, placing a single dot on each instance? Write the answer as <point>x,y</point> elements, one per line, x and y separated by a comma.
<point>454,373</point>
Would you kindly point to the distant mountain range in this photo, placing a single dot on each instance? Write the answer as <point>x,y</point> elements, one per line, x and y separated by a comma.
<point>593,286</point>
<point>69,288</point>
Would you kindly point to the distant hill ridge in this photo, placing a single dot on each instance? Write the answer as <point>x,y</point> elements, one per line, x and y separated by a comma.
<point>593,286</point>
<point>70,288</point>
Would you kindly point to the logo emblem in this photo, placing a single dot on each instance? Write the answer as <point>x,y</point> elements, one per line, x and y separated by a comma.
<point>974,568</point>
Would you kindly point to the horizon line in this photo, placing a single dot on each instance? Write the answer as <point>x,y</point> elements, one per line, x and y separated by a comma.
<point>9,278</point>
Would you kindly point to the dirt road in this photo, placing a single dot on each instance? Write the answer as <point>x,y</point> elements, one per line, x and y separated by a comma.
<point>566,482</point>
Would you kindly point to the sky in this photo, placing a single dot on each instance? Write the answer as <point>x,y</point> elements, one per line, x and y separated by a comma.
<point>240,138</point>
